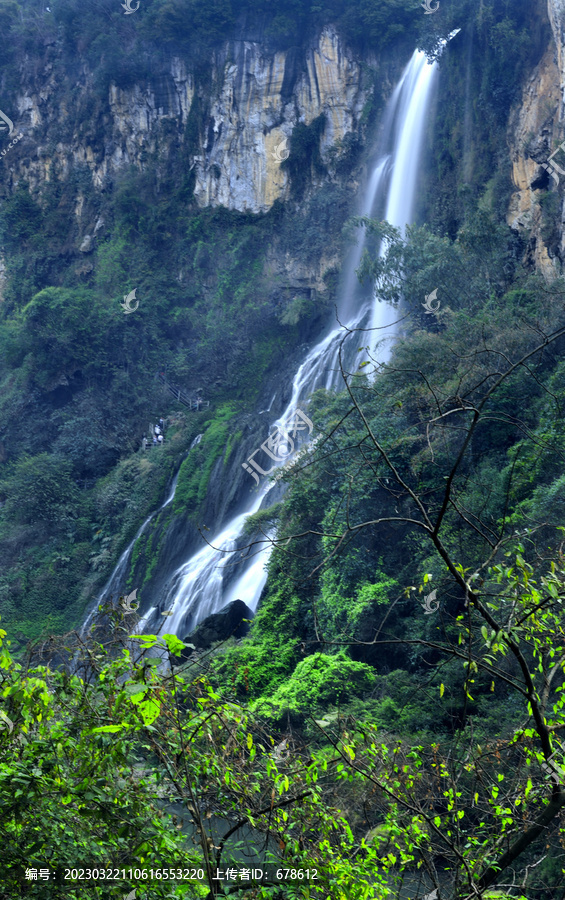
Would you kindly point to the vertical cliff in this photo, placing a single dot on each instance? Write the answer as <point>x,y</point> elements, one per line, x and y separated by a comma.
<point>258,102</point>
<point>227,131</point>
<point>535,131</point>
<point>245,110</point>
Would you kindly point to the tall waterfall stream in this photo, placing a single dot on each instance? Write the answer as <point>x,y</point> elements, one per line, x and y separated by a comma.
<point>197,588</point>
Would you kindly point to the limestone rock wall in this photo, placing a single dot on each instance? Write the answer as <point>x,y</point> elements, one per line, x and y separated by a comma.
<point>536,130</point>
<point>254,101</point>
<point>260,100</point>
<point>531,138</point>
<point>60,136</point>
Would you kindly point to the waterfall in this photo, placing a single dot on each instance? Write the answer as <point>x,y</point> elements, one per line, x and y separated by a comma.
<point>196,589</point>
<point>412,105</point>
<point>350,288</point>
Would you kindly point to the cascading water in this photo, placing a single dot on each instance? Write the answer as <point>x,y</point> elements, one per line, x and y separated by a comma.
<point>196,589</point>
<point>413,102</point>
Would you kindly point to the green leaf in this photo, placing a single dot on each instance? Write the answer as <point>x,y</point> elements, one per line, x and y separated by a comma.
<point>174,645</point>
<point>108,729</point>
<point>146,640</point>
<point>137,689</point>
<point>150,710</point>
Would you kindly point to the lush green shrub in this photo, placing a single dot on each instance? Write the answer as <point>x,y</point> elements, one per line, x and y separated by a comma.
<point>40,488</point>
<point>317,682</point>
<point>20,219</point>
<point>195,471</point>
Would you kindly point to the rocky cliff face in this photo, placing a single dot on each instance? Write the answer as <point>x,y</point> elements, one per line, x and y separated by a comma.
<point>259,101</point>
<point>246,114</point>
<point>239,123</point>
<point>135,125</point>
<point>556,13</point>
<point>535,131</point>
<point>254,102</point>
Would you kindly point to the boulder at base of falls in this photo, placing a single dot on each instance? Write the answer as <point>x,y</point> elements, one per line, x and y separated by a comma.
<point>228,622</point>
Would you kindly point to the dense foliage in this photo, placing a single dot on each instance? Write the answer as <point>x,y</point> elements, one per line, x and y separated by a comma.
<point>424,479</point>
<point>200,25</point>
<point>89,770</point>
<point>393,716</point>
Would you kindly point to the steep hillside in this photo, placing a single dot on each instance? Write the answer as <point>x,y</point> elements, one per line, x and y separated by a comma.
<point>149,162</point>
